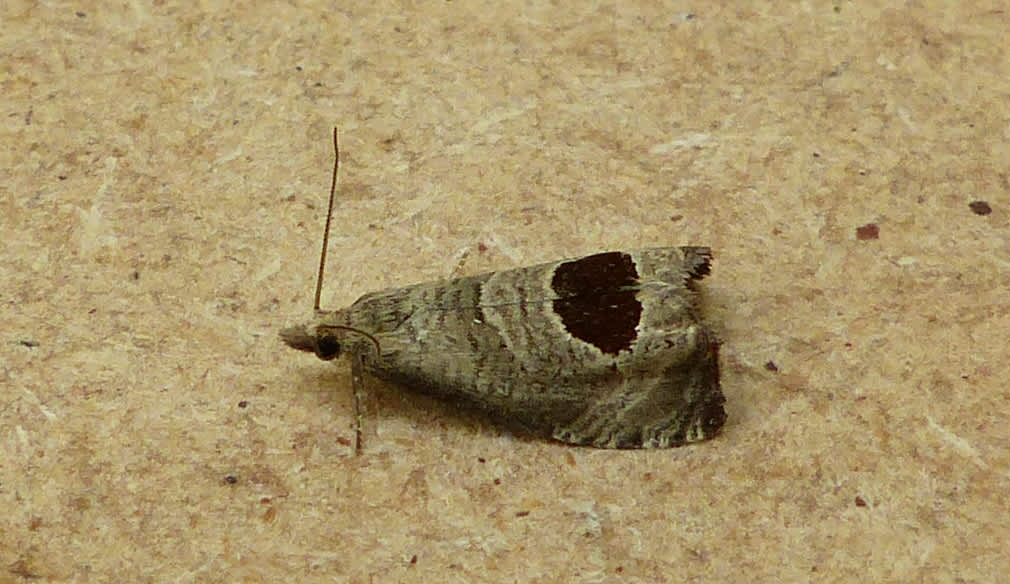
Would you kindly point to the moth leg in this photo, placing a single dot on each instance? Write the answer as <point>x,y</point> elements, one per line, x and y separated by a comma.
<point>358,390</point>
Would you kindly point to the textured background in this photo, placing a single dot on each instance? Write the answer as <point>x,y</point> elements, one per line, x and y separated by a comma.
<point>164,171</point>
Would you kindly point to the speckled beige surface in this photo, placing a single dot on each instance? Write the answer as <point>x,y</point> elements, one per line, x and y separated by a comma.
<point>164,170</point>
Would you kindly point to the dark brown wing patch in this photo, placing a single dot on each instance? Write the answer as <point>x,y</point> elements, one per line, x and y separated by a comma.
<point>596,300</point>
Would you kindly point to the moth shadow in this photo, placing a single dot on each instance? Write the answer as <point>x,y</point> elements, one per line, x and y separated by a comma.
<point>385,401</point>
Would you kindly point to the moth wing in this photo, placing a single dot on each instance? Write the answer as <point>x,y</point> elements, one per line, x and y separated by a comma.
<point>673,404</point>
<point>589,351</point>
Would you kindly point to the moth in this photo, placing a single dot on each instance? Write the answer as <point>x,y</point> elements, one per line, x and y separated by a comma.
<point>607,350</point>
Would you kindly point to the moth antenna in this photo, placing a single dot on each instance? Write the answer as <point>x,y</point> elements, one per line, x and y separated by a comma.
<point>357,364</point>
<point>329,219</point>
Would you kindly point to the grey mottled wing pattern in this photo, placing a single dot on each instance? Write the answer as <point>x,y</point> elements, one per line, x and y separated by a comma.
<point>606,350</point>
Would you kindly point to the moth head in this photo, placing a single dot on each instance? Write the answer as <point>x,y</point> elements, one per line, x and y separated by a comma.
<point>323,341</point>
<point>327,346</point>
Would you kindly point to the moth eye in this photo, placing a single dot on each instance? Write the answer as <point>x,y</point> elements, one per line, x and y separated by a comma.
<point>327,348</point>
